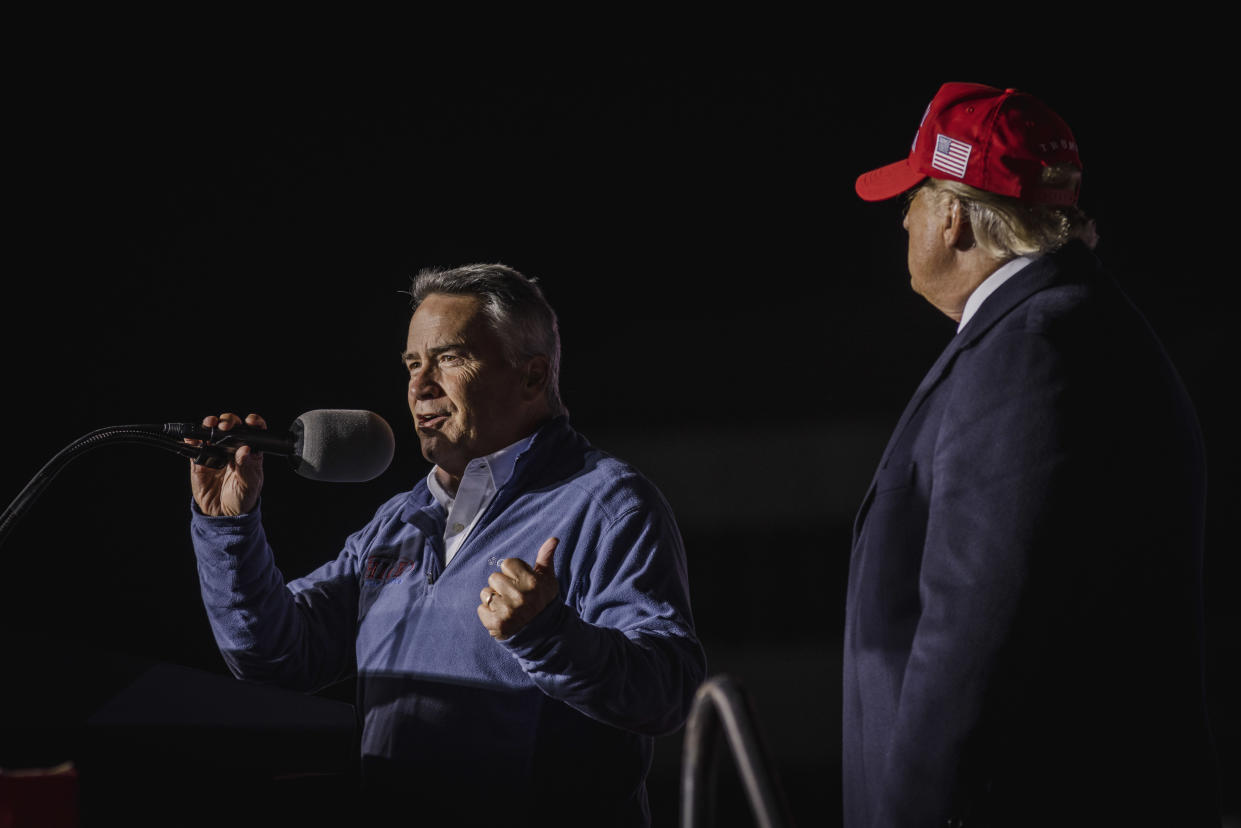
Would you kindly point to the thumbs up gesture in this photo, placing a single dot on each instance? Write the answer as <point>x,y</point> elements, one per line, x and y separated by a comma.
<point>517,593</point>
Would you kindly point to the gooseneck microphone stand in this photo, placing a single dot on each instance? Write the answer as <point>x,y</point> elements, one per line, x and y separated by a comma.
<point>167,436</point>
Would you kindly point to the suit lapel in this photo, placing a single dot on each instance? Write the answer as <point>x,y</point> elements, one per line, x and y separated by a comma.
<point>929,381</point>
<point>1036,276</point>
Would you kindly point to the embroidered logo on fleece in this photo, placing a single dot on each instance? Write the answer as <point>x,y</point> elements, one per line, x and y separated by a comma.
<point>387,570</point>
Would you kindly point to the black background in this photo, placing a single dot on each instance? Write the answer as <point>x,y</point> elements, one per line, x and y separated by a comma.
<point>194,230</point>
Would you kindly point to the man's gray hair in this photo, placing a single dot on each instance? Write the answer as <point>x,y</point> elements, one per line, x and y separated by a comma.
<point>1007,228</point>
<point>513,304</point>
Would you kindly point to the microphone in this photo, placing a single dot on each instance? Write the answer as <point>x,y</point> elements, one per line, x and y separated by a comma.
<point>332,445</point>
<point>327,444</point>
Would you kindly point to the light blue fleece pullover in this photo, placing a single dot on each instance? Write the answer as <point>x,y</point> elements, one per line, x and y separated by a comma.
<point>566,707</point>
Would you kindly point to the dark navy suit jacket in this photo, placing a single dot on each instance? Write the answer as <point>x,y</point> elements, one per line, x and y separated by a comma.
<point>1023,635</point>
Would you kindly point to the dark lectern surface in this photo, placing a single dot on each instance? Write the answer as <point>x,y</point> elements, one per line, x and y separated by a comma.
<point>160,743</point>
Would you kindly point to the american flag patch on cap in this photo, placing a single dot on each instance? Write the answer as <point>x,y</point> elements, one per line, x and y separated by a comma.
<point>951,156</point>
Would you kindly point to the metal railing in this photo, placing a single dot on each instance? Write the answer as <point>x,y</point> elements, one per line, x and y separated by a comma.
<point>722,705</point>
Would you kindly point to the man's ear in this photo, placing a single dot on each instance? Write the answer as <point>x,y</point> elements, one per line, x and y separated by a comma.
<point>534,380</point>
<point>958,232</point>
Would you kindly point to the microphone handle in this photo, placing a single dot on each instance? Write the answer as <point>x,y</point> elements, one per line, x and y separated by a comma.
<point>239,435</point>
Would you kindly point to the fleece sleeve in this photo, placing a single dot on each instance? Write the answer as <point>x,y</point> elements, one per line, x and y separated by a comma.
<point>621,647</point>
<point>301,640</point>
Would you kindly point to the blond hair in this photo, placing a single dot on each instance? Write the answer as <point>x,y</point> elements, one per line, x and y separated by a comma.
<point>1006,228</point>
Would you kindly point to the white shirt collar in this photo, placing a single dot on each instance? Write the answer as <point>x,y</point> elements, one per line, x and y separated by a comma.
<point>1002,274</point>
<point>498,465</point>
<point>483,477</point>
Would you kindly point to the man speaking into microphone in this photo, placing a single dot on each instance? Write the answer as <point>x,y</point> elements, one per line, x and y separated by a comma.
<point>519,621</point>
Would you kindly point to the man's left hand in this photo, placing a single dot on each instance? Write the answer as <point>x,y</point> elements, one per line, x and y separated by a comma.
<point>517,593</point>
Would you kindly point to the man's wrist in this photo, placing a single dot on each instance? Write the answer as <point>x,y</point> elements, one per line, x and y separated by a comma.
<point>532,638</point>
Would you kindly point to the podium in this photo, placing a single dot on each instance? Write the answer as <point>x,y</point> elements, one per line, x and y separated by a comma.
<point>155,743</point>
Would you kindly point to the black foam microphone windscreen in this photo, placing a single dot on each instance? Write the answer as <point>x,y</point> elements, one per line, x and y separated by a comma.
<point>342,445</point>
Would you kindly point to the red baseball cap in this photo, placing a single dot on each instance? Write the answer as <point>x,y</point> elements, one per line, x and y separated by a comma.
<point>997,140</point>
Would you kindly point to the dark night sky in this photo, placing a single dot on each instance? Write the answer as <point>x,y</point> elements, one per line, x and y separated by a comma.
<point>185,239</point>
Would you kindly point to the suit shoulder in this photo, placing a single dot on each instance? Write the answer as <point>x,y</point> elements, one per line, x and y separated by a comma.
<point>1057,306</point>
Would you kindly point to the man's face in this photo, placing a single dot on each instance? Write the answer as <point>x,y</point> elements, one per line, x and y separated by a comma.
<point>464,395</point>
<point>926,260</point>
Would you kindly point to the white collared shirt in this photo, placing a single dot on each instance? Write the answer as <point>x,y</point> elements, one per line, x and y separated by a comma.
<point>1005,272</point>
<point>483,477</point>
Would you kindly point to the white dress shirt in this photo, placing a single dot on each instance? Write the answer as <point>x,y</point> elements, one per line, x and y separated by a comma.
<point>483,477</point>
<point>1005,272</point>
